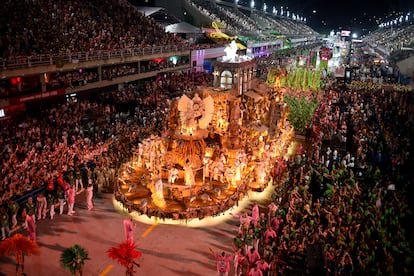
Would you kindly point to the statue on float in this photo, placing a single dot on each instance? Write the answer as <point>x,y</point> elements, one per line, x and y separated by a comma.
<point>231,52</point>
<point>195,113</point>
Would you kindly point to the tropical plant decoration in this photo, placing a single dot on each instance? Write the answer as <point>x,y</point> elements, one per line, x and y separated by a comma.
<point>73,258</point>
<point>300,111</point>
<point>18,245</point>
<point>299,78</point>
<point>125,254</point>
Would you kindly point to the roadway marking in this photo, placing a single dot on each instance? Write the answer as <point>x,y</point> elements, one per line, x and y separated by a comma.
<point>143,235</point>
<point>106,270</point>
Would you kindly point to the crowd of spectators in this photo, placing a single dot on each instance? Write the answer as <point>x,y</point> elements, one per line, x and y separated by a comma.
<point>255,24</point>
<point>81,77</point>
<point>80,136</point>
<point>71,79</point>
<point>230,19</point>
<point>76,26</point>
<point>119,70</point>
<point>341,205</point>
<point>345,196</point>
<point>391,39</point>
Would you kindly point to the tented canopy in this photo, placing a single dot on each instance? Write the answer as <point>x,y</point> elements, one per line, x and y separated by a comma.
<point>147,11</point>
<point>182,28</point>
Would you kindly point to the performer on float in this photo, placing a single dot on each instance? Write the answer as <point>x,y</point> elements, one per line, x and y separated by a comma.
<point>173,175</point>
<point>188,174</point>
<point>206,168</point>
<point>140,153</point>
<point>159,188</point>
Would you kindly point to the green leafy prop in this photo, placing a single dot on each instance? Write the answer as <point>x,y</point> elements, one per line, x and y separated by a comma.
<point>73,258</point>
<point>300,111</point>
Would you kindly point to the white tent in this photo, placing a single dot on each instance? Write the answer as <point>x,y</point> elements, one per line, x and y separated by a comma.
<point>147,11</point>
<point>182,28</point>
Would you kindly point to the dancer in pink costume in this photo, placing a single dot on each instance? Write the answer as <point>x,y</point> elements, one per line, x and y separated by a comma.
<point>31,226</point>
<point>129,227</point>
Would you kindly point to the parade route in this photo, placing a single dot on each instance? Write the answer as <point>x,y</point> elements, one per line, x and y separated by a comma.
<point>168,248</point>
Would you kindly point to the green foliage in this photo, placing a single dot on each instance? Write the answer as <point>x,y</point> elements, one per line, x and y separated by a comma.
<point>301,111</point>
<point>300,78</point>
<point>73,258</point>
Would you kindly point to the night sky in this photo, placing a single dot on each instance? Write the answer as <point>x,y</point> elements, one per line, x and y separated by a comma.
<point>351,14</point>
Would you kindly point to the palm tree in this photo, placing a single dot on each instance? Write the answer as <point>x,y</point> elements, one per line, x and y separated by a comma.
<point>125,254</point>
<point>18,245</point>
<point>73,258</point>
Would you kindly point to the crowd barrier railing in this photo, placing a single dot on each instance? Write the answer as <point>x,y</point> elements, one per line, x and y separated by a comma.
<point>19,62</point>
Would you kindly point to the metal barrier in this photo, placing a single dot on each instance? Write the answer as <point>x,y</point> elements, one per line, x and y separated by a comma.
<point>20,62</point>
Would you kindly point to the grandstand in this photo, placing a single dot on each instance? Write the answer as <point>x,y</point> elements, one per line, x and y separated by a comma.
<point>395,40</point>
<point>69,47</point>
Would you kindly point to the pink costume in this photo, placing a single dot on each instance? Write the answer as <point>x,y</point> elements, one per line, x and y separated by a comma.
<point>255,213</point>
<point>252,256</point>
<point>263,266</point>
<point>269,233</point>
<point>239,260</point>
<point>129,229</point>
<point>70,198</point>
<point>272,210</point>
<point>255,272</point>
<point>31,227</point>
<point>244,222</point>
<point>89,196</point>
<point>223,263</point>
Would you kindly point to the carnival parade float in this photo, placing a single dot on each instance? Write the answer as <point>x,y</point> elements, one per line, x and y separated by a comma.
<point>220,142</point>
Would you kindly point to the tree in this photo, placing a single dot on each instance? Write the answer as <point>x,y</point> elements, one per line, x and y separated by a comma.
<point>73,258</point>
<point>18,245</point>
<point>125,254</point>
